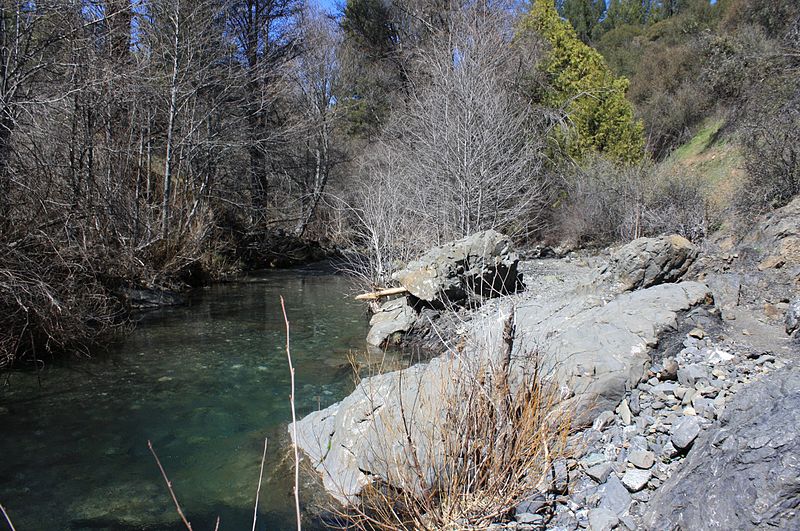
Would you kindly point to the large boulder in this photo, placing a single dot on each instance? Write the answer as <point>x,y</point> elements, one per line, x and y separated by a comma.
<point>482,264</point>
<point>744,473</point>
<point>392,317</point>
<point>646,262</point>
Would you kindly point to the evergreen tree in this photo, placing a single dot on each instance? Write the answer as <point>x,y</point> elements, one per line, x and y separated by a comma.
<point>581,83</point>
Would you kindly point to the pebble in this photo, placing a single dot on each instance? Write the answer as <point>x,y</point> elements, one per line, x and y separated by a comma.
<point>670,369</point>
<point>630,452</point>
<point>684,432</point>
<point>765,359</point>
<point>697,333</point>
<point>635,480</point>
<point>642,459</point>
<point>624,412</point>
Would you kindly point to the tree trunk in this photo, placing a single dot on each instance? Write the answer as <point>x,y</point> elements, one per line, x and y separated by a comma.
<point>173,110</point>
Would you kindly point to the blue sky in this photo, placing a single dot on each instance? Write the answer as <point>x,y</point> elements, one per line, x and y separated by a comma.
<point>331,6</point>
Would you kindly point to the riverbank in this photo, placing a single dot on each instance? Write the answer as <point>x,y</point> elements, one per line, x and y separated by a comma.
<point>65,300</point>
<point>657,349</point>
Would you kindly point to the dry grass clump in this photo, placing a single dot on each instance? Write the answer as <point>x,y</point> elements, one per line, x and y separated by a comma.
<point>491,447</point>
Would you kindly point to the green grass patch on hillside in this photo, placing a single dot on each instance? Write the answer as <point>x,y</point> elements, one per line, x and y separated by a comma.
<point>715,160</point>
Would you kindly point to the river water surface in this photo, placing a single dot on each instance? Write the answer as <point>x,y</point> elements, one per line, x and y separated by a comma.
<point>206,383</point>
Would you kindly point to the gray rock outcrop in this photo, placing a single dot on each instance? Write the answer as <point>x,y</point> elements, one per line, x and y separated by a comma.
<point>745,473</point>
<point>482,264</point>
<point>392,317</point>
<point>649,261</point>
<point>595,350</point>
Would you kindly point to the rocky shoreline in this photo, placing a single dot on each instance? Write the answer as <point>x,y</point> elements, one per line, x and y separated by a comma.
<point>684,378</point>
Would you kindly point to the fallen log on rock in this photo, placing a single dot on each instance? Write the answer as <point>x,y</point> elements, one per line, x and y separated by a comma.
<point>375,295</point>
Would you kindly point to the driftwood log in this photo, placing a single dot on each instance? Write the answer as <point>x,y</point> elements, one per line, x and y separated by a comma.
<point>375,295</point>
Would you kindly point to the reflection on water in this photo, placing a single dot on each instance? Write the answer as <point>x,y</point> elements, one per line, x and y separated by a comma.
<point>206,383</point>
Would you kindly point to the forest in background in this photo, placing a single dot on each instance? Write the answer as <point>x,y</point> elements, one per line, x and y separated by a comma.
<point>152,143</point>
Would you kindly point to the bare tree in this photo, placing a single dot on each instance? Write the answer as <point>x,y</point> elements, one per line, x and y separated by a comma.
<point>315,75</point>
<point>265,33</point>
<point>466,153</point>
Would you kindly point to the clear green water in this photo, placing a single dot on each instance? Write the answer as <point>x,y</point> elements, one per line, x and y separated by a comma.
<point>206,383</point>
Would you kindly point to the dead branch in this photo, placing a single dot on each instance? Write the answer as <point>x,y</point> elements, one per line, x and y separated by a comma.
<point>169,487</point>
<point>374,295</point>
<point>294,420</point>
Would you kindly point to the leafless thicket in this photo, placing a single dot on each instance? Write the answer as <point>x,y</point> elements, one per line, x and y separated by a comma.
<point>155,138</point>
<point>604,201</point>
<point>464,154</point>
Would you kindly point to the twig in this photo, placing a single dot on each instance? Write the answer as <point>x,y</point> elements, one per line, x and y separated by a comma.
<point>260,475</point>
<point>294,420</point>
<point>169,487</point>
<point>8,519</point>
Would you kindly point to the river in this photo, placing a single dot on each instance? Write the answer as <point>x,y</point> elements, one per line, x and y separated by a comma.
<point>206,383</point>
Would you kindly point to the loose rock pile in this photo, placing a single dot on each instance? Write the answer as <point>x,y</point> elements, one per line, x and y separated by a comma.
<point>620,463</point>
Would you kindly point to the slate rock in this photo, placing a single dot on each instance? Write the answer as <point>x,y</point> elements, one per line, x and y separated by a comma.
<point>684,431</point>
<point>635,480</point>
<point>600,472</point>
<point>614,496</point>
<point>691,374</point>
<point>602,520</point>
<point>642,459</point>
<point>531,505</point>
<point>749,461</point>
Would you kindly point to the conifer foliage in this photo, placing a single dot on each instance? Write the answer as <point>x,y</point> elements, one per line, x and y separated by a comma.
<point>581,83</point>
